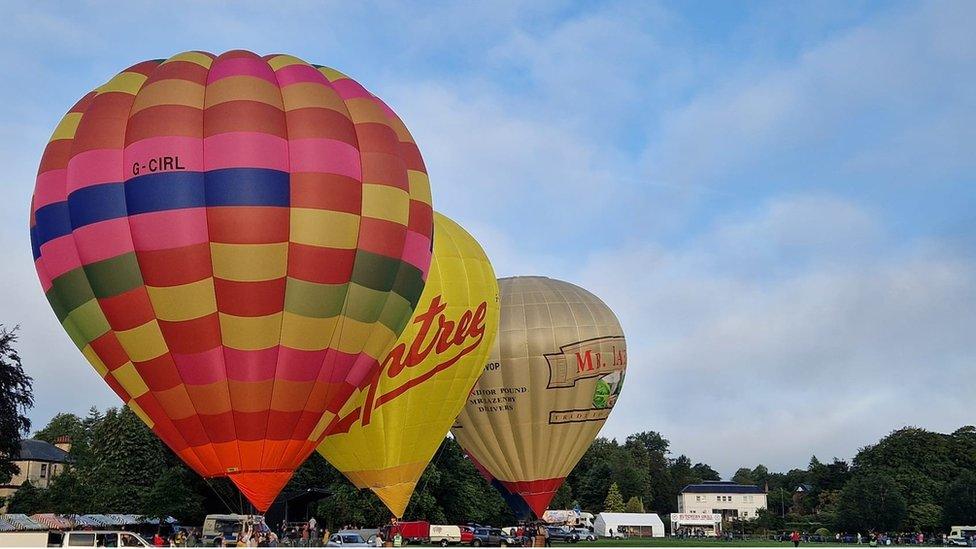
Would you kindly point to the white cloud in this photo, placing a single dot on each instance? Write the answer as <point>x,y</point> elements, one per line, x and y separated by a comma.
<point>853,91</point>
<point>817,360</point>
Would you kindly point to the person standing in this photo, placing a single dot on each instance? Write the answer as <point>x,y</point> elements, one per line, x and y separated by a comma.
<point>313,531</point>
<point>545,537</point>
<point>795,538</point>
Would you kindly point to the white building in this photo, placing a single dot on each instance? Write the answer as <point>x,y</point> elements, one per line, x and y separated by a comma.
<point>632,525</point>
<point>731,500</point>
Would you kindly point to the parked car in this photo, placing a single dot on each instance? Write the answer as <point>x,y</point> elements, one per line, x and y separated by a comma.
<point>492,537</point>
<point>562,533</point>
<point>584,534</point>
<point>348,539</point>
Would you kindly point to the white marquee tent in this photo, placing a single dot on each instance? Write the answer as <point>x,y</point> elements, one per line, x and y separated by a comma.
<point>644,525</point>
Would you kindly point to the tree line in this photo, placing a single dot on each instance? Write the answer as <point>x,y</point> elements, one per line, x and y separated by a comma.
<point>911,480</point>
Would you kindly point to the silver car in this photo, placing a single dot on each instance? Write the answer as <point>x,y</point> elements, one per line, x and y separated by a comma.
<point>348,539</point>
<point>584,534</point>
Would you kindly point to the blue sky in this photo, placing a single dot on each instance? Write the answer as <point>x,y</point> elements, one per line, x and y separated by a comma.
<point>776,197</point>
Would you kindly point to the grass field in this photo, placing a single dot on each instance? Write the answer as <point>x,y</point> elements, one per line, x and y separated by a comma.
<point>674,542</point>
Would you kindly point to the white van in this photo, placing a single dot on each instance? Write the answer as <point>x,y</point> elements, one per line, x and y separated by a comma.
<point>100,538</point>
<point>230,527</point>
<point>960,535</point>
<point>445,534</point>
<point>20,538</point>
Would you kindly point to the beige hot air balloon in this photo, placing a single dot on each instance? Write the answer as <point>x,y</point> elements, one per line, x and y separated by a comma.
<point>552,379</point>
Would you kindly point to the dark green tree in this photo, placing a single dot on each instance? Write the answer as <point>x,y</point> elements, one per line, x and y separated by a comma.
<point>869,503</point>
<point>16,398</point>
<point>171,496</point>
<point>959,505</point>
<point>922,463</point>
<point>29,500</point>
<point>348,505</point>
<point>594,485</point>
<point>563,498</point>
<point>743,476</point>
<point>71,493</point>
<point>63,424</point>
<point>127,459</point>
<point>924,517</point>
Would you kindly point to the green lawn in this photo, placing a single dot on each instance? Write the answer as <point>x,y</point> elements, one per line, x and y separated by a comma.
<point>673,542</point>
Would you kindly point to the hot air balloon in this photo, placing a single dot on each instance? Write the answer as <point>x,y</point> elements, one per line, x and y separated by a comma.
<point>388,433</point>
<point>233,242</point>
<point>550,383</point>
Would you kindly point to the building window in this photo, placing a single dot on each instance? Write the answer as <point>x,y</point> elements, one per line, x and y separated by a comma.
<point>44,470</point>
<point>697,498</point>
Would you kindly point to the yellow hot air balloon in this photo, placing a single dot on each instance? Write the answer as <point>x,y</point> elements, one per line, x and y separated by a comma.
<point>553,377</point>
<point>389,431</point>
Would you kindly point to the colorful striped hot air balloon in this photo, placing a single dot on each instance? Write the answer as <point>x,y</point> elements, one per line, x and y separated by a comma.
<point>553,377</point>
<point>232,242</point>
<point>389,432</point>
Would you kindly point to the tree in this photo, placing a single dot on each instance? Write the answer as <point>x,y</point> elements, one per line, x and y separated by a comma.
<point>870,502</point>
<point>743,476</point>
<point>62,424</point>
<point>593,488</point>
<point>704,472</point>
<point>16,398</point>
<point>28,500</point>
<point>614,502</point>
<point>171,496</point>
<point>563,498</point>
<point>924,517</point>
<point>71,493</point>
<point>959,506</point>
<point>921,463</point>
<point>634,505</point>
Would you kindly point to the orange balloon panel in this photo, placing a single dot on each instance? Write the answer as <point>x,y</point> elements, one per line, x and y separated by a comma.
<point>552,379</point>
<point>233,241</point>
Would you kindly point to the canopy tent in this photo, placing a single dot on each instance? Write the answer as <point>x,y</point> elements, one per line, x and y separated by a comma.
<point>642,525</point>
<point>14,521</point>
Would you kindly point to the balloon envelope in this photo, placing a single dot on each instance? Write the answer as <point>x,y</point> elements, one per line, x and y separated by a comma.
<point>232,242</point>
<point>550,383</point>
<point>389,432</point>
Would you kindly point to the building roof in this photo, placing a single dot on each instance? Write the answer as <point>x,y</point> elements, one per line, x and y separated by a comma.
<point>721,487</point>
<point>38,450</point>
<point>631,519</point>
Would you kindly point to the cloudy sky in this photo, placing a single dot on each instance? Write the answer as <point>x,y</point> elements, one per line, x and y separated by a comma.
<point>777,198</point>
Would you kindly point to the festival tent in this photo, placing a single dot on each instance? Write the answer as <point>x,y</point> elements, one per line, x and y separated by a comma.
<point>642,525</point>
<point>17,522</point>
